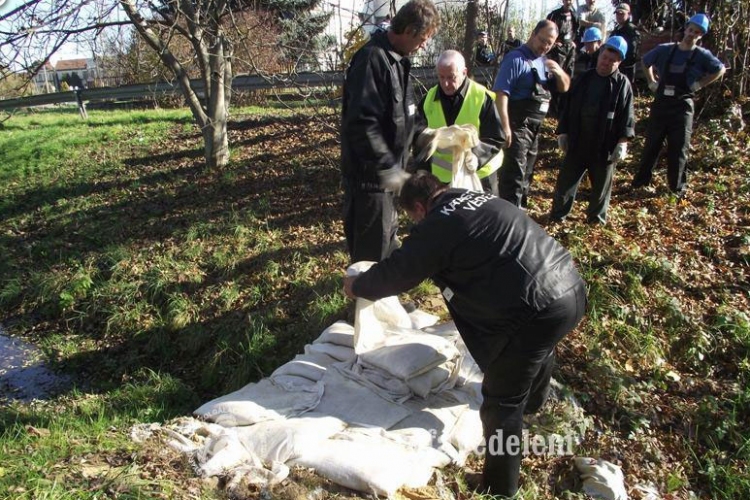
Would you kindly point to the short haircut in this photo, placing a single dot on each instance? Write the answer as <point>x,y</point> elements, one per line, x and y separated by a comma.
<point>544,24</point>
<point>420,187</point>
<point>451,57</point>
<point>419,15</point>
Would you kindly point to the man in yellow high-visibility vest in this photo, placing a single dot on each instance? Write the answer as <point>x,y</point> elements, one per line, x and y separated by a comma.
<point>459,100</point>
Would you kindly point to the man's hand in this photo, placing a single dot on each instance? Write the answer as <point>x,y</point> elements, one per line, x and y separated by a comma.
<point>552,66</point>
<point>653,86</point>
<point>562,142</point>
<point>393,179</point>
<point>508,136</point>
<point>620,152</point>
<point>348,284</point>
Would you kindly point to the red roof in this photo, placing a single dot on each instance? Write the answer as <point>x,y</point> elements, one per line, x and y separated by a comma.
<point>70,64</point>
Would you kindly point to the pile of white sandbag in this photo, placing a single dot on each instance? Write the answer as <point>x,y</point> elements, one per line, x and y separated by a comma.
<point>373,408</point>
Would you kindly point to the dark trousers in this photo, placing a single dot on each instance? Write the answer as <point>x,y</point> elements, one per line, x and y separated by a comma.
<point>565,56</point>
<point>576,163</point>
<point>489,184</point>
<point>629,72</point>
<point>517,170</point>
<point>518,381</point>
<point>370,223</point>
<point>670,119</point>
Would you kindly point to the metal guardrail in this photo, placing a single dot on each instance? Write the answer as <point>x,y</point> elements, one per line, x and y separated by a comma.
<point>244,82</point>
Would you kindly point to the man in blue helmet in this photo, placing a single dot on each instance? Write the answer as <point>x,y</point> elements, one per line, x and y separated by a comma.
<point>593,131</point>
<point>592,42</point>
<point>675,72</point>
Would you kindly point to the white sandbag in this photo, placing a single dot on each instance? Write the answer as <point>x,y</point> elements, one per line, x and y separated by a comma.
<point>373,465</point>
<point>368,331</point>
<point>467,436</point>
<point>420,319</point>
<point>223,453</point>
<point>601,479</point>
<point>447,330</point>
<point>470,376</point>
<point>437,413</point>
<point>440,378</point>
<point>357,405</point>
<point>337,352</point>
<point>282,440</point>
<point>258,402</point>
<point>260,476</point>
<point>340,333</point>
<point>372,318</point>
<point>311,366</point>
<point>382,383</point>
<point>292,382</point>
<point>406,354</point>
<point>391,313</point>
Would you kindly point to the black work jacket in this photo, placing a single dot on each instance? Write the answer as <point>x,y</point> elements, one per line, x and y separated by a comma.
<point>566,30</point>
<point>495,267</point>
<point>616,118</point>
<point>377,117</point>
<point>631,35</point>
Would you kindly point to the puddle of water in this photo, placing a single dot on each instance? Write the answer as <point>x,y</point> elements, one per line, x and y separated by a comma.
<point>24,376</point>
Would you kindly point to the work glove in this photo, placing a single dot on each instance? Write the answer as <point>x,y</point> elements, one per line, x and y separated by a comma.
<point>393,179</point>
<point>562,142</point>
<point>620,152</point>
<point>471,162</point>
<point>653,86</point>
<point>695,86</point>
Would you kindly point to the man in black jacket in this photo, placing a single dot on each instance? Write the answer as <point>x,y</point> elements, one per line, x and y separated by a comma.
<point>377,126</point>
<point>564,51</point>
<point>511,289</point>
<point>626,29</point>
<point>593,132</point>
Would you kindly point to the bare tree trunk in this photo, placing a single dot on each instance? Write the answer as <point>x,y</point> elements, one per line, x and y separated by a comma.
<point>470,35</point>
<point>214,54</point>
<point>215,130</point>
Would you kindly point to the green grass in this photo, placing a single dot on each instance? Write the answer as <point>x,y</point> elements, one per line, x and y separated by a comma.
<point>160,284</point>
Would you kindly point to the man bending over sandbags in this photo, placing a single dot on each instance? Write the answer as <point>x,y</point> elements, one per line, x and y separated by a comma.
<point>511,289</point>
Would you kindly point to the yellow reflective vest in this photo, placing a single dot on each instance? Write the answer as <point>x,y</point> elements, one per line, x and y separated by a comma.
<point>442,160</point>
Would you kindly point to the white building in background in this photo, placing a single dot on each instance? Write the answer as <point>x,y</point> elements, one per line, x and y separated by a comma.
<point>74,72</point>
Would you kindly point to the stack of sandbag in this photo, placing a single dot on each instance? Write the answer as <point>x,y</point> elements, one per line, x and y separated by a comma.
<point>374,419</point>
<point>407,364</point>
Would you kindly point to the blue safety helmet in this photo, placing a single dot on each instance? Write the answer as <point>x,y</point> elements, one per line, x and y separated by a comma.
<point>592,34</point>
<point>700,20</point>
<point>619,44</point>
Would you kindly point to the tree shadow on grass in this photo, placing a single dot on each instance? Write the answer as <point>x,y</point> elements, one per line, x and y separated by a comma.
<point>163,205</point>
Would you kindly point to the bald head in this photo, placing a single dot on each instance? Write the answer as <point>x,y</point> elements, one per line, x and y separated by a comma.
<point>451,71</point>
<point>451,58</point>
